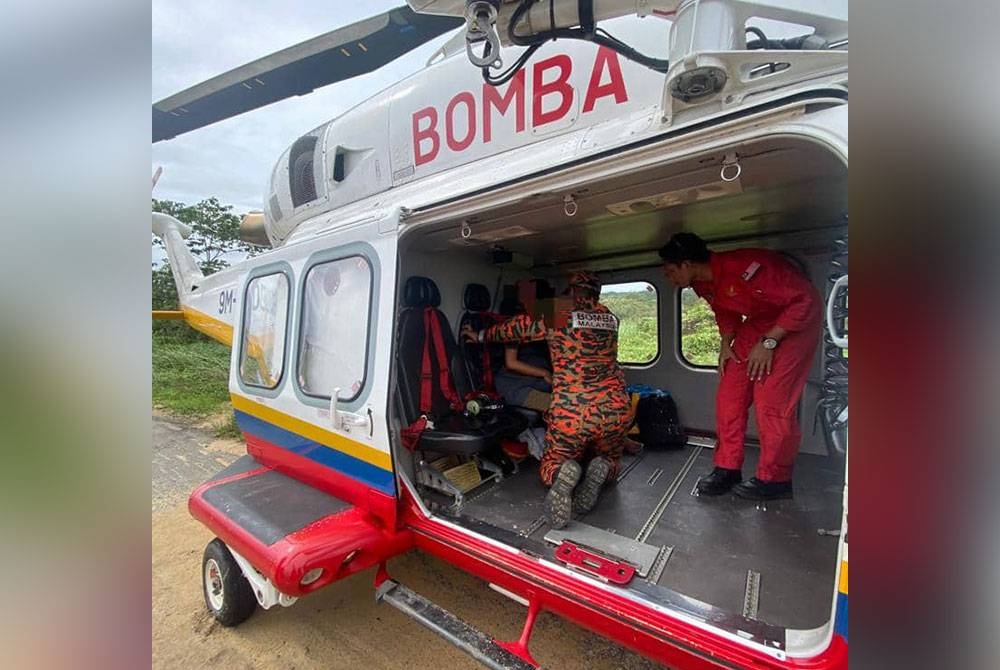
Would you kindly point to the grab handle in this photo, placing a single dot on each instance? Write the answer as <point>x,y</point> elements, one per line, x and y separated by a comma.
<point>838,339</point>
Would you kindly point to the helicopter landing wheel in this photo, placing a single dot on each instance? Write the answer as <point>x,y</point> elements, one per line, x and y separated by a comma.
<point>228,594</point>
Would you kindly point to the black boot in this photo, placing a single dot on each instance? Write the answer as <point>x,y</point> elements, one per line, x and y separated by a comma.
<point>559,501</point>
<point>590,488</point>
<point>719,481</point>
<point>756,489</point>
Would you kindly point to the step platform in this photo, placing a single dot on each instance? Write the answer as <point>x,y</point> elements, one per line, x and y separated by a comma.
<point>474,642</point>
<point>287,529</point>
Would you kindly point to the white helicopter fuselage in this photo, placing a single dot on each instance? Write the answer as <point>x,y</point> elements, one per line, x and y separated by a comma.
<point>443,132</point>
<point>432,151</point>
<point>446,117</point>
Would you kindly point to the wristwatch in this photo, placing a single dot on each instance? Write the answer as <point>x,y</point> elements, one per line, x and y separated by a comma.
<point>769,343</point>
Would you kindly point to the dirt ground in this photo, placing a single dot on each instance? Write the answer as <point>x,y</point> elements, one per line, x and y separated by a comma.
<point>341,626</point>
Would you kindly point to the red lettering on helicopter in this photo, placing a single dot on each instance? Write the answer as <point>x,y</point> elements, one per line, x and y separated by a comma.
<point>492,98</point>
<point>616,84</point>
<point>558,86</point>
<point>551,101</point>
<point>428,133</point>
<point>454,143</point>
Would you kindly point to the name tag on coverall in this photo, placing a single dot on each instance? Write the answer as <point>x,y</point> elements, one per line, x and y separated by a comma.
<point>595,321</point>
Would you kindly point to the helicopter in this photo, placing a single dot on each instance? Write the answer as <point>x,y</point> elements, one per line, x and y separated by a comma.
<point>534,143</point>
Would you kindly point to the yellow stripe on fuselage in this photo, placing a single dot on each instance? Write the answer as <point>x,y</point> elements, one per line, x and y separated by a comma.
<point>842,587</point>
<point>217,330</point>
<point>312,432</point>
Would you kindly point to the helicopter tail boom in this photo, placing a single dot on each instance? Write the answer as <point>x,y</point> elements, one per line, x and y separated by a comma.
<point>187,274</point>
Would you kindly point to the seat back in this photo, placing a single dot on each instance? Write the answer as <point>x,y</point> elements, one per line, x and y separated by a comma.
<point>421,296</point>
<point>476,301</point>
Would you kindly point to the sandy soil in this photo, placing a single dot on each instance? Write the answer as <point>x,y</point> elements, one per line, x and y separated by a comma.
<point>338,627</point>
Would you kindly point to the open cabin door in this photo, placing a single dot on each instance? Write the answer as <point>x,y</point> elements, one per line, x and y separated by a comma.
<point>311,368</point>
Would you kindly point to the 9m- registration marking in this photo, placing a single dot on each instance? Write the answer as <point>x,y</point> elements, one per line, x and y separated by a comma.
<point>227,299</point>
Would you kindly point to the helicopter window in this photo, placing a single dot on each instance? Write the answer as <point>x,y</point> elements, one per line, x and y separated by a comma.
<point>636,305</point>
<point>699,335</point>
<point>263,347</point>
<point>332,346</point>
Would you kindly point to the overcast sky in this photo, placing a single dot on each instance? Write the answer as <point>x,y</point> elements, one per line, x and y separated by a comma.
<point>194,40</point>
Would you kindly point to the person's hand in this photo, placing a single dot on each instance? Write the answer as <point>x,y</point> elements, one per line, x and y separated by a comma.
<point>759,362</point>
<point>725,353</point>
<point>547,377</point>
<point>468,334</point>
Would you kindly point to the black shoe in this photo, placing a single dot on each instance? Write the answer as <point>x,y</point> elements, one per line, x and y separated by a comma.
<point>590,488</point>
<point>719,481</point>
<point>559,501</point>
<point>756,489</point>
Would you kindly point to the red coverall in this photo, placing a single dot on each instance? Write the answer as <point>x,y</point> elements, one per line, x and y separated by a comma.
<point>751,291</point>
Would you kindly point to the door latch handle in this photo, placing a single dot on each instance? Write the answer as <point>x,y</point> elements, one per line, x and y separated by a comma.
<point>345,421</point>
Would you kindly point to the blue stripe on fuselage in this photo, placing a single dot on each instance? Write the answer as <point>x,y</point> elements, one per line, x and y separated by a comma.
<point>367,473</point>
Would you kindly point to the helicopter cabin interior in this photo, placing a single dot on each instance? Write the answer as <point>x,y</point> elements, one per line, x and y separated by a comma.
<point>773,563</point>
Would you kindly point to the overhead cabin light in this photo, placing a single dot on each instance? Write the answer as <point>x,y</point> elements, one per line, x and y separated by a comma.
<point>681,196</point>
<point>480,236</point>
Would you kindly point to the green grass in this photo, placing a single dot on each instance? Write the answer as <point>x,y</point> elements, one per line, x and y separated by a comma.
<point>191,378</point>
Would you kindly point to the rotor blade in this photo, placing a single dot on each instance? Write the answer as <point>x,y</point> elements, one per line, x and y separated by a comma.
<point>347,52</point>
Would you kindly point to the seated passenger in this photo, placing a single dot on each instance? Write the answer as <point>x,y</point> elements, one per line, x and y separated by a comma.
<point>526,367</point>
<point>590,411</point>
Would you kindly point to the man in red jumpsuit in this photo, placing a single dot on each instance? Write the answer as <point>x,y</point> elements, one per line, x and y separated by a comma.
<point>769,319</point>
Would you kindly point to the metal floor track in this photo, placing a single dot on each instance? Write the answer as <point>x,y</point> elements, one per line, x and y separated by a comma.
<point>711,544</point>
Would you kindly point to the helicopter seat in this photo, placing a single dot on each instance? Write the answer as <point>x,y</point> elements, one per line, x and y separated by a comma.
<point>481,361</point>
<point>433,381</point>
<point>484,361</point>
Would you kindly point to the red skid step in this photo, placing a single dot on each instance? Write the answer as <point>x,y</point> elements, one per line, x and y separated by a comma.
<point>286,528</point>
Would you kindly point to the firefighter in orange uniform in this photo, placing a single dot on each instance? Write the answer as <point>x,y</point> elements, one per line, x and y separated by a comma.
<point>769,317</point>
<point>590,411</point>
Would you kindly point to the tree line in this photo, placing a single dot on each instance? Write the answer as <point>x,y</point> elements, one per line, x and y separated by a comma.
<point>215,239</point>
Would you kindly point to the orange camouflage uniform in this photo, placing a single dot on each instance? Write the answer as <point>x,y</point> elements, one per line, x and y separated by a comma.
<point>590,411</point>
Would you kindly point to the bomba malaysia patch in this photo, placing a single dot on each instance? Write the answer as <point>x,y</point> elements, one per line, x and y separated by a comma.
<point>595,320</point>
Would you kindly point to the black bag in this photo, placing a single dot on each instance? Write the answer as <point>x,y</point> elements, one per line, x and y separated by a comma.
<point>659,425</point>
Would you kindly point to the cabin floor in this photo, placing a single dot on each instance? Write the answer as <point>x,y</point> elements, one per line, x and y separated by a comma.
<point>708,548</point>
